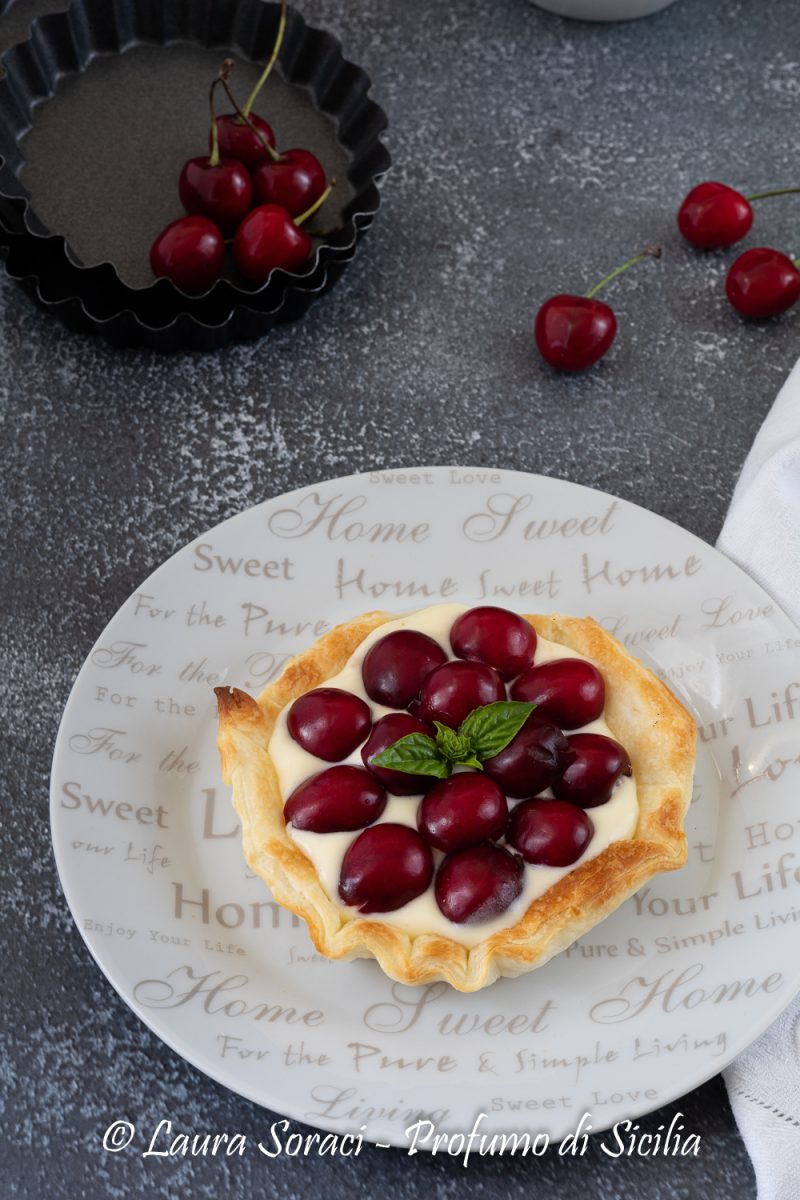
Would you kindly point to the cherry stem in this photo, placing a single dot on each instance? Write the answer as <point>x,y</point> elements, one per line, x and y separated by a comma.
<point>316,205</point>
<point>648,252</point>
<point>214,157</point>
<point>223,79</point>
<point>775,192</point>
<point>251,99</point>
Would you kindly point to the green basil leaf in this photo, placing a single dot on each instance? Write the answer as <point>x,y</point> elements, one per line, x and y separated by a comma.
<point>456,748</point>
<point>452,746</point>
<point>489,729</point>
<point>469,760</point>
<point>414,754</point>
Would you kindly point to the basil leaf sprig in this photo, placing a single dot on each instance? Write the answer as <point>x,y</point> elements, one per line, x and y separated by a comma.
<point>484,733</point>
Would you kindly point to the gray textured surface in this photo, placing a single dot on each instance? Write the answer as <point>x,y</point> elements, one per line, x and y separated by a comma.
<point>531,156</point>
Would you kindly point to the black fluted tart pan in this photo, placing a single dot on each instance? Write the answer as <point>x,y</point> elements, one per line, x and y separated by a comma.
<point>99,109</point>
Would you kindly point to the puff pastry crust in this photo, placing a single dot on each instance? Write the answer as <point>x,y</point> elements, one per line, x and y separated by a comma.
<point>655,728</point>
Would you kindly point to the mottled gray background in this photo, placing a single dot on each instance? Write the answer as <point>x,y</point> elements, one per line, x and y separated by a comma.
<point>531,156</point>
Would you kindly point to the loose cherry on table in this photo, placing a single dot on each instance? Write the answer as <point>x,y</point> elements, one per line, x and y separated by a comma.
<point>597,762</point>
<point>397,665</point>
<point>763,283</point>
<point>574,332</point>
<point>385,867</point>
<point>495,636</point>
<point>568,691</point>
<point>329,722</point>
<point>190,252</point>
<point>385,733</point>
<point>464,810</point>
<point>338,800</point>
<point>549,833</point>
<point>244,135</point>
<point>477,884</point>
<point>213,186</point>
<point>269,239</point>
<point>714,215</point>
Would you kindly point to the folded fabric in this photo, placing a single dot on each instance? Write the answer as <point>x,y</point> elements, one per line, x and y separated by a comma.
<point>762,534</point>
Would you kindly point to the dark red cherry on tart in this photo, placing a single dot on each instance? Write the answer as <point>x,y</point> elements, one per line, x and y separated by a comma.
<point>532,760</point>
<point>340,799</point>
<point>386,867</point>
<point>597,762</point>
<point>463,811</point>
<point>329,722</point>
<point>478,884</point>
<point>550,833</point>
<point>396,666</point>
<point>190,252</point>
<point>385,733</point>
<point>294,181</point>
<point>222,191</point>
<point>570,692</point>
<point>451,692</point>
<point>495,636</point>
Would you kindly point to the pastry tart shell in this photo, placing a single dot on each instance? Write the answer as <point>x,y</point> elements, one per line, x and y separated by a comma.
<point>643,714</point>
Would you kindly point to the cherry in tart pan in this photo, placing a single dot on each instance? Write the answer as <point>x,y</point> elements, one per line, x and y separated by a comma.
<point>479,746</point>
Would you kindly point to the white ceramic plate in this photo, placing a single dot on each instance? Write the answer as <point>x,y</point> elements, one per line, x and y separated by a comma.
<point>648,1005</point>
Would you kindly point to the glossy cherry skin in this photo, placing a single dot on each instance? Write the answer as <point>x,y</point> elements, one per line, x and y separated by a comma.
<point>452,691</point>
<point>385,733</point>
<point>763,283</point>
<point>714,215</point>
<point>567,691</point>
<point>495,636</point>
<point>531,761</point>
<point>573,332</point>
<point>384,868</point>
<point>329,723</point>
<point>478,884</point>
<point>295,182</point>
<point>464,810</point>
<point>268,239</point>
<point>224,193</point>
<point>190,252</point>
<point>550,833</point>
<point>596,765</point>
<point>337,800</point>
<point>237,140</point>
<point>395,668</point>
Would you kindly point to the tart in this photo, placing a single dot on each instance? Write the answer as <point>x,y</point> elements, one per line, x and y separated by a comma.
<point>458,793</point>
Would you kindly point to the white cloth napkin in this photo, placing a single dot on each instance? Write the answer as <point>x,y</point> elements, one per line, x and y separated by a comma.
<point>762,534</point>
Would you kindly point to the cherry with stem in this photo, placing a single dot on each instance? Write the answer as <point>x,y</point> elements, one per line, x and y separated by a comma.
<point>213,186</point>
<point>243,134</point>
<point>713,215</point>
<point>573,332</point>
<point>269,238</point>
<point>294,178</point>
